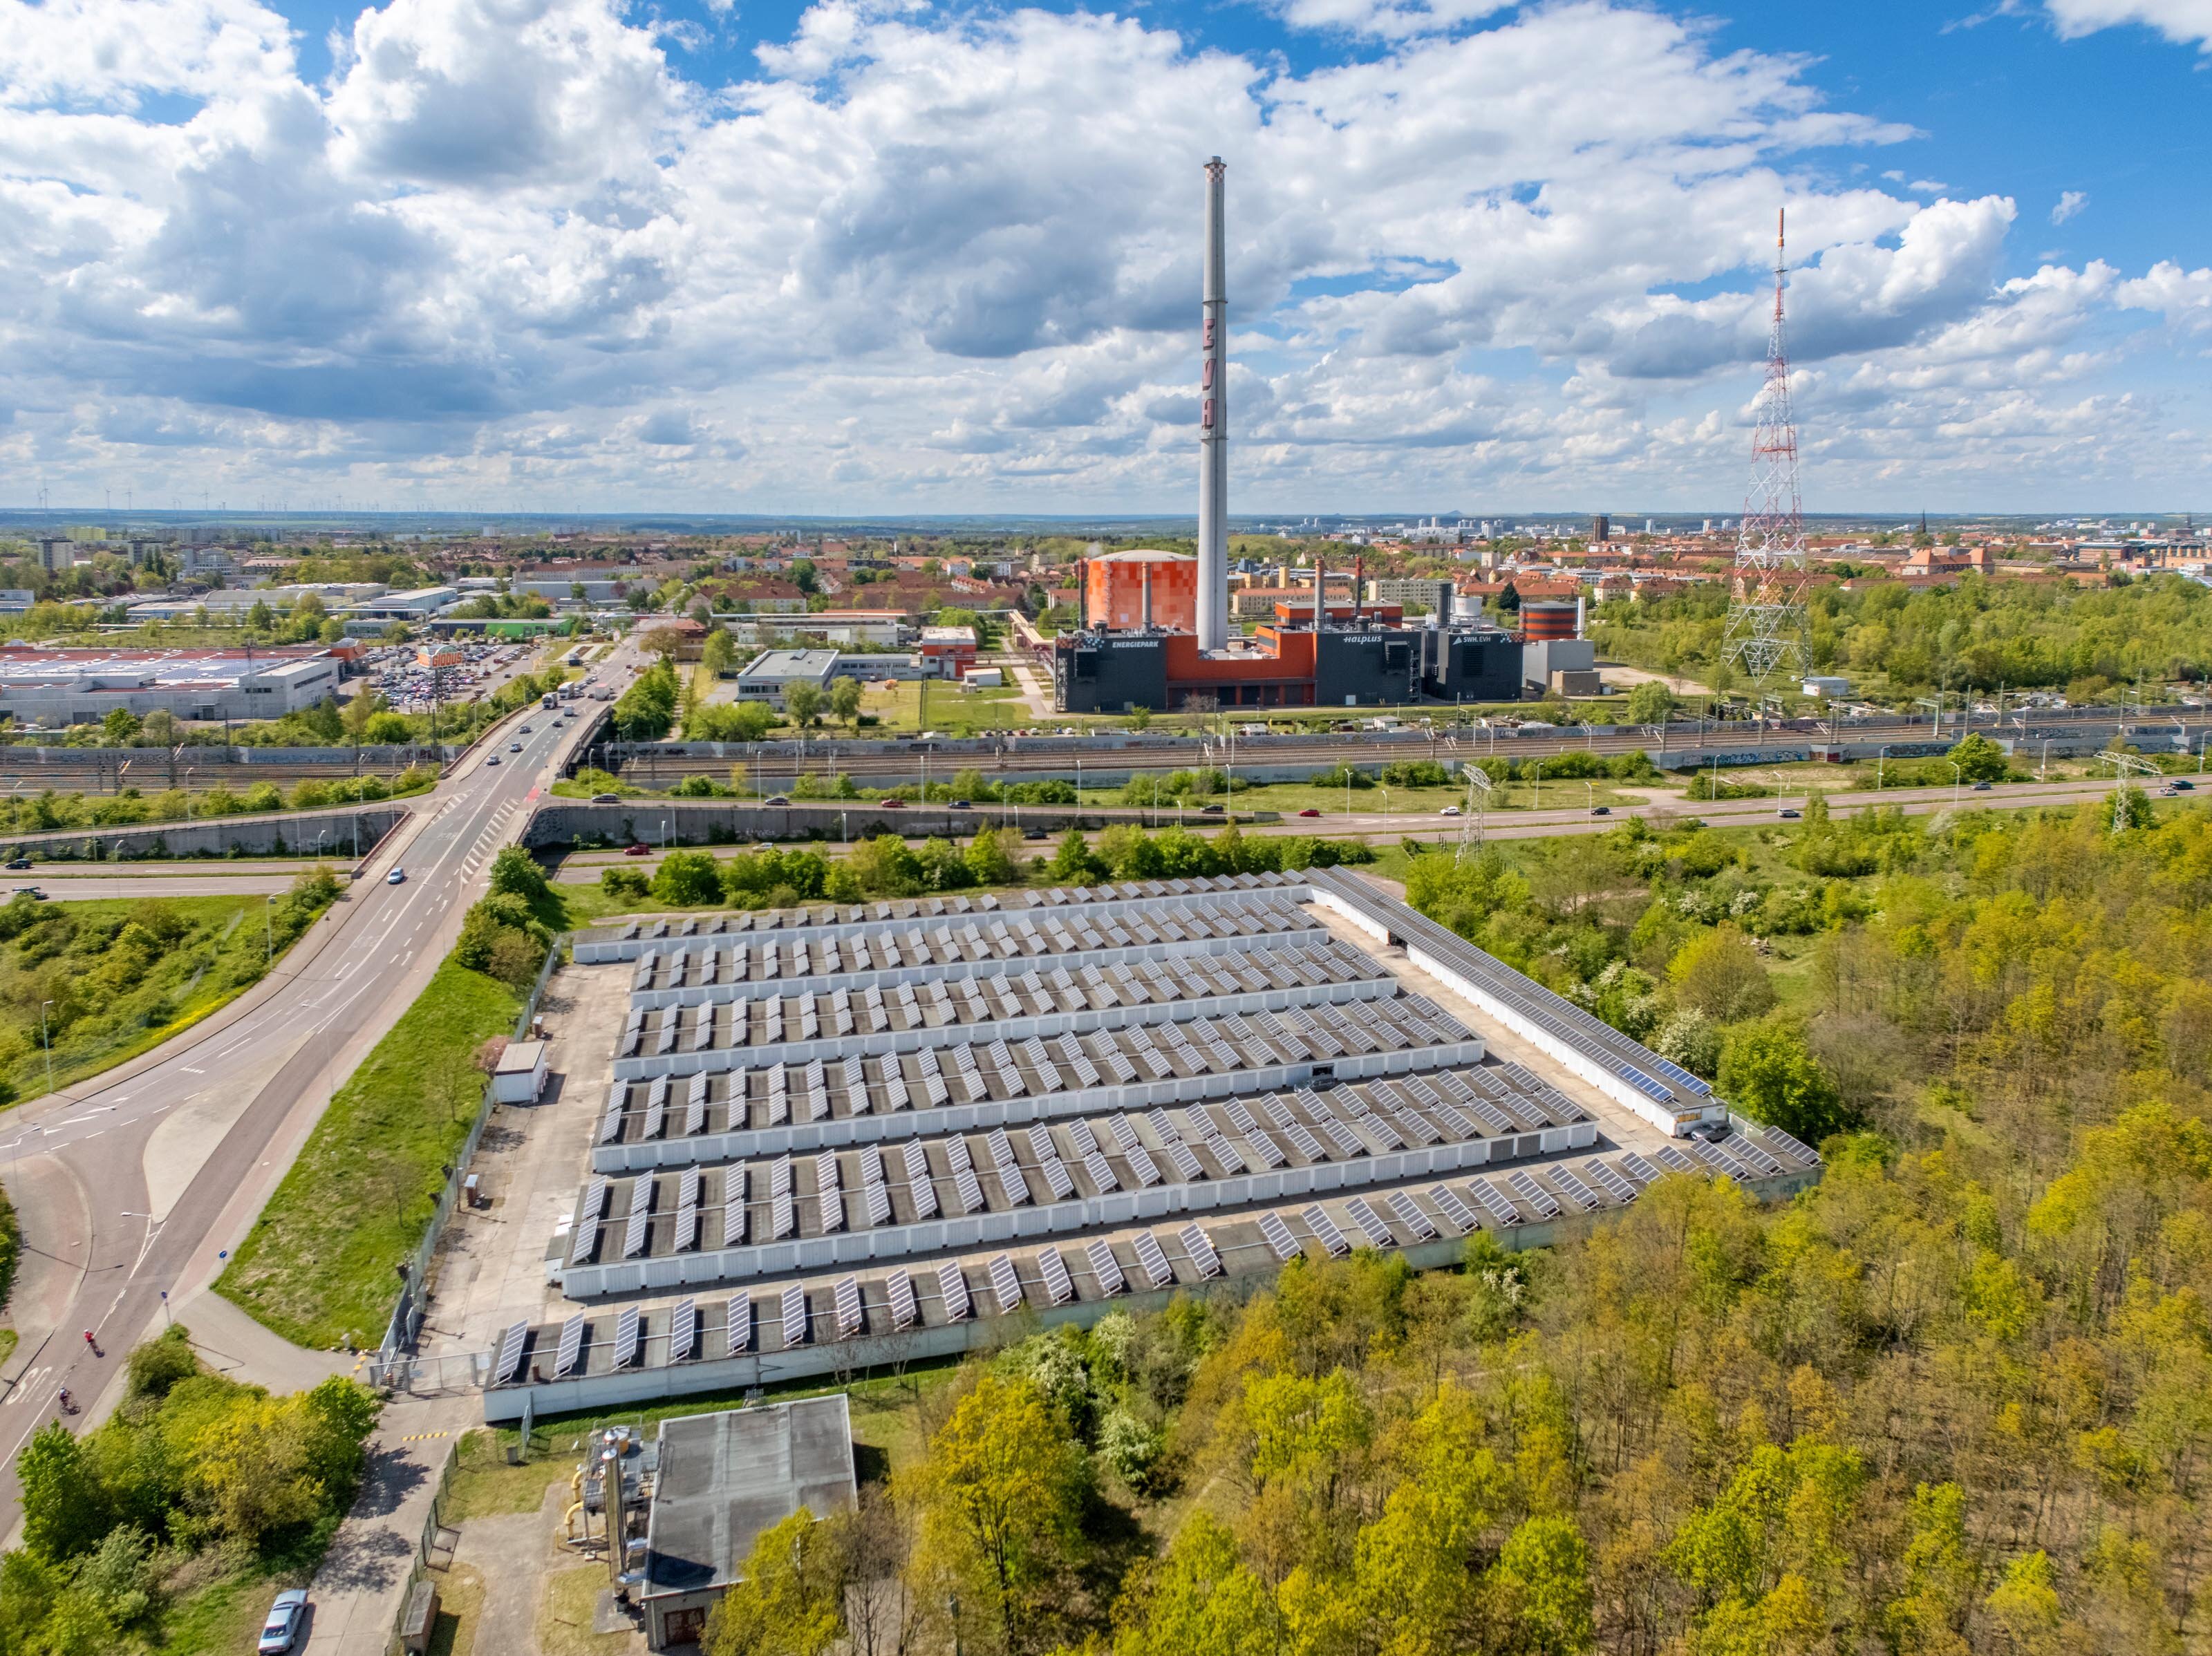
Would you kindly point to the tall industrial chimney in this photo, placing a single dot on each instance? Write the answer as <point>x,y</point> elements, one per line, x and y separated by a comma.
<point>1213,430</point>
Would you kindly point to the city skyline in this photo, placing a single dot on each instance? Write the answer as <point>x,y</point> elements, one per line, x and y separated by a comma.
<point>863,261</point>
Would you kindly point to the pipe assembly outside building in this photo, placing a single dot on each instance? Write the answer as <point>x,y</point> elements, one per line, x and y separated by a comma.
<point>1214,429</point>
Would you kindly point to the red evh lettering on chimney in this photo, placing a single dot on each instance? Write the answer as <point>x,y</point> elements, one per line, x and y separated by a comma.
<point>1205,415</point>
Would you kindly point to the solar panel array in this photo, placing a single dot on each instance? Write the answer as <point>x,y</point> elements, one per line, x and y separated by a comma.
<point>901,1171</point>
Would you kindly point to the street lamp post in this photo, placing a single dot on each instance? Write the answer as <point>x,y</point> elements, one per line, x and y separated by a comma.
<point>268,930</point>
<point>47,1041</point>
<point>1957,772</point>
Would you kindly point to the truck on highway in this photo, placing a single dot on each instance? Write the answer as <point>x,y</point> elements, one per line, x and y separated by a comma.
<point>548,700</point>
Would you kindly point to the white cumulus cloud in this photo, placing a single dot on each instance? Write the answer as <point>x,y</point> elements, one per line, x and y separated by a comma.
<point>2185,23</point>
<point>932,259</point>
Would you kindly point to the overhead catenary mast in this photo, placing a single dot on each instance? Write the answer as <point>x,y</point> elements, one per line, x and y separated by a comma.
<point>1766,635</point>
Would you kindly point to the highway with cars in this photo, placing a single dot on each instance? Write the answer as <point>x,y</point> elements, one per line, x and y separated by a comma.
<point>132,1187</point>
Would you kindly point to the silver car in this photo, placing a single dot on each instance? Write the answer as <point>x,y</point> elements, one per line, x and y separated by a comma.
<point>281,1632</point>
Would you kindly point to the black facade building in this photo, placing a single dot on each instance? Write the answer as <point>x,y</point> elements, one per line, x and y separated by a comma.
<point>1109,672</point>
<point>1369,667</point>
<point>1470,666</point>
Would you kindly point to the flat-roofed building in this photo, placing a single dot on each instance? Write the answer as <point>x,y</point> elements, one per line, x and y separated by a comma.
<point>845,625</point>
<point>951,648</point>
<point>770,675</point>
<point>722,1479</point>
<point>228,605</point>
<point>56,688</point>
<point>414,604</point>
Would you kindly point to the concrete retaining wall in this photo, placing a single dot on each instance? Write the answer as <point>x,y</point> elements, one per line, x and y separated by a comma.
<point>561,824</point>
<point>275,834</point>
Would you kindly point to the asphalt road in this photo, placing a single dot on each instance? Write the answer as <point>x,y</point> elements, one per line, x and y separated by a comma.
<point>136,1183</point>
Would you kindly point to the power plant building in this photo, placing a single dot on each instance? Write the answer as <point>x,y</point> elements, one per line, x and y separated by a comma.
<point>1126,591</point>
<point>1155,628</point>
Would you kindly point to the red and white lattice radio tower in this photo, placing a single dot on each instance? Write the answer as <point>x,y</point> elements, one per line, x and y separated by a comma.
<point>1767,633</point>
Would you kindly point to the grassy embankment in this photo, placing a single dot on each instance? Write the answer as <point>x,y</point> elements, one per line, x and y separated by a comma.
<point>317,1267</point>
<point>115,976</point>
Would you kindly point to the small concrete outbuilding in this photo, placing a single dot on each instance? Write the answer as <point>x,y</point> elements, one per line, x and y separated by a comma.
<point>721,1480</point>
<point>520,1075</point>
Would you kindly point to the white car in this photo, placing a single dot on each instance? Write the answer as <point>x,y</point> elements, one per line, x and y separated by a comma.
<point>398,876</point>
<point>281,1632</point>
<point>1449,810</point>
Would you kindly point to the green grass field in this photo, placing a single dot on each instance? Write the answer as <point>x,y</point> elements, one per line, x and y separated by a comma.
<point>318,1267</point>
<point>899,707</point>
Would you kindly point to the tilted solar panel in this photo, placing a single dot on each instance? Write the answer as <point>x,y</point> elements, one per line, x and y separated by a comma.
<point>1324,1231</point>
<point>1058,1285</point>
<point>1456,1213</point>
<point>507,1366</point>
<point>1370,1223</point>
<point>1408,1213</point>
<point>1104,1267</point>
<point>570,1352</point>
<point>1199,1248</point>
<point>1151,1260</point>
<point>898,1291</point>
<point>952,1289</point>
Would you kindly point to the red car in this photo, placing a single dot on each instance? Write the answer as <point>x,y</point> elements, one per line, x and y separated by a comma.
<point>639,850</point>
<point>1308,811</point>
<point>892,804</point>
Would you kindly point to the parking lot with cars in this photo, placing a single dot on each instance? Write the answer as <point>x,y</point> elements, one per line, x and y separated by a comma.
<point>409,686</point>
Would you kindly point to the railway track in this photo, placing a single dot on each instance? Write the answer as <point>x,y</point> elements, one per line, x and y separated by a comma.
<point>662,765</point>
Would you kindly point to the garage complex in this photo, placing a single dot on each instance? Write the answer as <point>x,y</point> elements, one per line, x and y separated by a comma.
<point>823,1139</point>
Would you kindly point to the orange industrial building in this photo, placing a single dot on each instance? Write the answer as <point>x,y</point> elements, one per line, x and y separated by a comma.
<point>1114,586</point>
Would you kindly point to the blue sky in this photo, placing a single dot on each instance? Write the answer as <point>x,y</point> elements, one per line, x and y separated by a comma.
<point>879,255</point>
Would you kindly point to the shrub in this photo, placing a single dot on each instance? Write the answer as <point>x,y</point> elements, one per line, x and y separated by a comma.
<point>1719,973</point>
<point>515,873</point>
<point>688,879</point>
<point>1767,1072</point>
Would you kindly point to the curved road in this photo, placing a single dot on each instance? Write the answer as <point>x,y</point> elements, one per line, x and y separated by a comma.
<point>133,1186</point>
